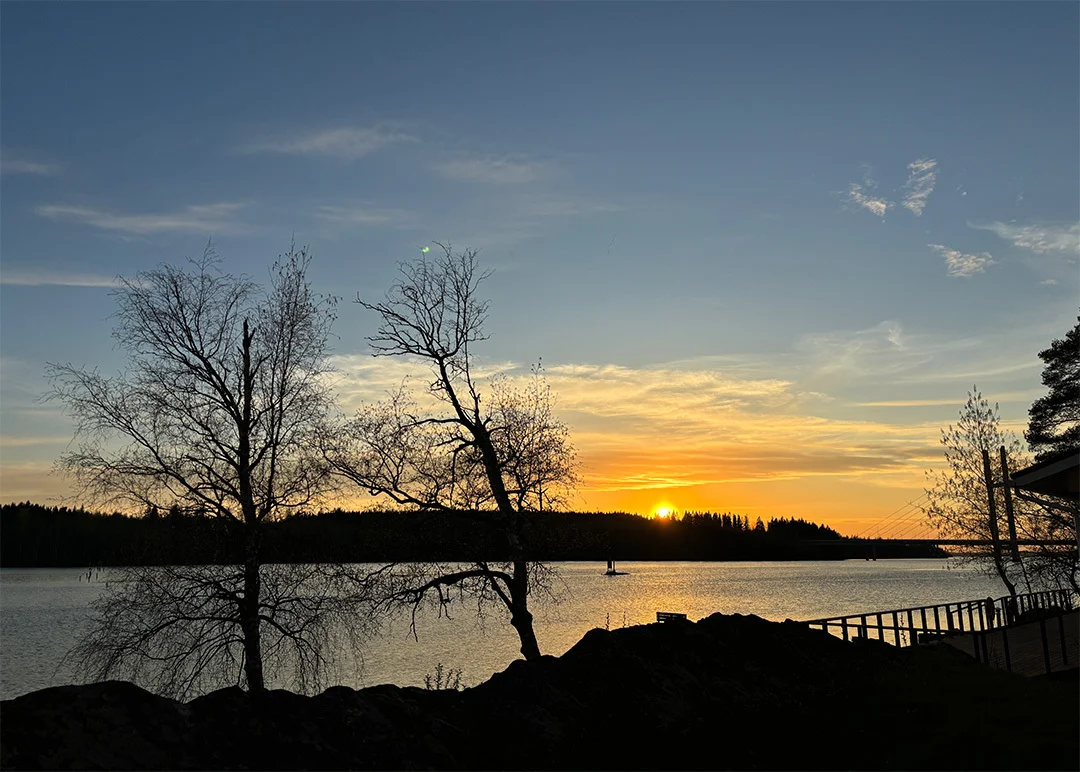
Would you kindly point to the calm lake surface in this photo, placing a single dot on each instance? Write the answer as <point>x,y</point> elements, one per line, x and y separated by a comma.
<point>42,611</point>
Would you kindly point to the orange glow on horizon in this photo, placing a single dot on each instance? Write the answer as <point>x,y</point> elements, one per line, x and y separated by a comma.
<point>848,505</point>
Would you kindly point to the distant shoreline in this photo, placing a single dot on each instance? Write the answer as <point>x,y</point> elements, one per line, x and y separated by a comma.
<point>34,536</point>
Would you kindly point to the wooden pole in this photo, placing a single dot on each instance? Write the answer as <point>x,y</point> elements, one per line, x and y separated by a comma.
<point>992,511</point>
<point>1014,549</point>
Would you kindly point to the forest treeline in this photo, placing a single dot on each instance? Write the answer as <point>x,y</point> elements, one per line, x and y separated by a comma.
<point>34,535</point>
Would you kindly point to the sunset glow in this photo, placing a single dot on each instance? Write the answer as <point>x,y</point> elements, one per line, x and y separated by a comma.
<point>770,309</point>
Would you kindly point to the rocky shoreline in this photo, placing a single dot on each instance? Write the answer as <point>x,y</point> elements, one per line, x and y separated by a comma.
<point>727,692</point>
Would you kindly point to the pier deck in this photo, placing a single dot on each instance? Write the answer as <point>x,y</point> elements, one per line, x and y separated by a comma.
<point>1032,649</point>
<point>1036,647</point>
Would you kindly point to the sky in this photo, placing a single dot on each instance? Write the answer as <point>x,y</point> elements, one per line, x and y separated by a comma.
<point>763,250</point>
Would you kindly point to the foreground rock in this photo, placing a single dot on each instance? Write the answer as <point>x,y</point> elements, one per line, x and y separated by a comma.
<point>729,692</point>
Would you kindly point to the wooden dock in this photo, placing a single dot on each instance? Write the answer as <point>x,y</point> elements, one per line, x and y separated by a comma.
<point>1031,649</point>
<point>1044,645</point>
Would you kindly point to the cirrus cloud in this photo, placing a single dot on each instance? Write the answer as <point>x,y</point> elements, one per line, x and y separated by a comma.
<point>199,218</point>
<point>922,174</point>
<point>10,165</point>
<point>498,171</point>
<point>857,195</point>
<point>1041,238</point>
<point>38,278</point>
<point>962,264</point>
<point>349,143</point>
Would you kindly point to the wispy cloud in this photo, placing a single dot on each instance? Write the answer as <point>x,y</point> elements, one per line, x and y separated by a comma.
<point>677,425</point>
<point>11,163</point>
<point>1049,282</point>
<point>367,216</point>
<point>887,362</point>
<point>1013,396</point>
<point>660,427</point>
<point>879,350</point>
<point>37,278</point>
<point>347,142</point>
<point>1039,238</point>
<point>498,171</point>
<point>8,441</point>
<point>202,218</point>
<point>32,481</point>
<point>512,219</point>
<point>558,206</point>
<point>922,174</point>
<point>857,195</point>
<point>962,264</point>
<point>908,403</point>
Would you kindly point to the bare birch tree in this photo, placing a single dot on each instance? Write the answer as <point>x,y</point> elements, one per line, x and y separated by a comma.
<point>499,452</point>
<point>958,503</point>
<point>216,412</point>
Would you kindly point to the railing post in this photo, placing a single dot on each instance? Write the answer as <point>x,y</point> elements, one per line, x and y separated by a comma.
<point>865,633</point>
<point>1045,643</point>
<point>896,629</point>
<point>922,613</point>
<point>937,620</point>
<point>880,629</point>
<point>1005,646</point>
<point>960,616</point>
<point>1061,634</point>
<point>913,638</point>
<point>843,627</point>
<point>971,616</point>
<point>982,618</point>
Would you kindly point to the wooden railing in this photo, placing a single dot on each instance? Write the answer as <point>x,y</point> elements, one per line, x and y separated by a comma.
<point>919,624</point>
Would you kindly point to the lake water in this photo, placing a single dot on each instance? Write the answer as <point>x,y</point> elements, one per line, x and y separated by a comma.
<point>43,610</point>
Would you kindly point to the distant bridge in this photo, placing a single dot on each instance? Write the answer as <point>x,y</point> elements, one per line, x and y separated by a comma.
<point>941,542</point>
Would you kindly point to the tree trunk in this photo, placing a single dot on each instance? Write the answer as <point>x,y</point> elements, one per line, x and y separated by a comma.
<point>249,625</point>
<point>995,540</point>
<point>520,617</point>
<point>249,609</point>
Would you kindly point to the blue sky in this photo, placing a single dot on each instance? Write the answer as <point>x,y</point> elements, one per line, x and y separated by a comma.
<point>781,240</point>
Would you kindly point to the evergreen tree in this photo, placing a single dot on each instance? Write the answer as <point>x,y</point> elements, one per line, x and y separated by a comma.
<point>1054,425</point>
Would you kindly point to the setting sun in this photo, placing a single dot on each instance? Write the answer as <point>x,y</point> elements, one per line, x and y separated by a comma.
<point>664,511</point>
